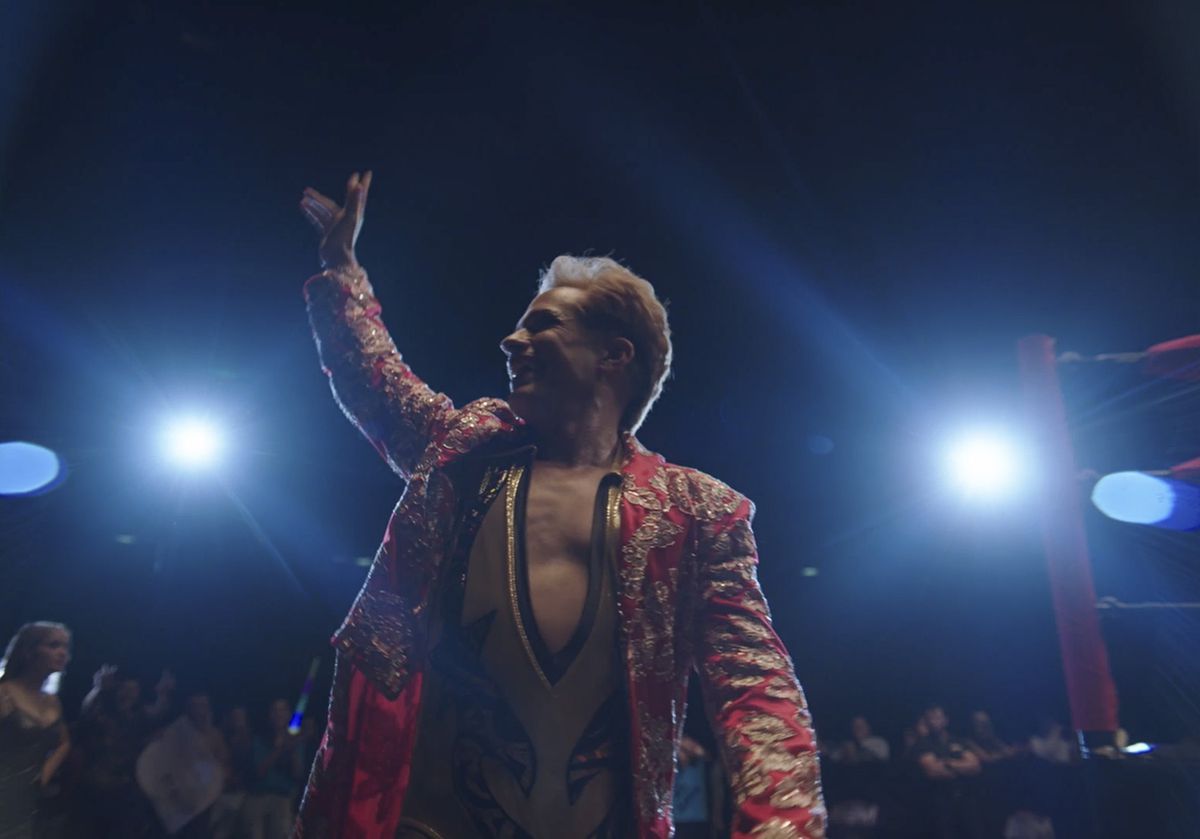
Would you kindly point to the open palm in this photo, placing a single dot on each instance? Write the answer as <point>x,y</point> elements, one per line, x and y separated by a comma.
<point>338,225</point>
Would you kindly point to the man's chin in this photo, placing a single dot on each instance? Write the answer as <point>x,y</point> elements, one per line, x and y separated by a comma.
<point>526,407</point>
<point>521,404</point>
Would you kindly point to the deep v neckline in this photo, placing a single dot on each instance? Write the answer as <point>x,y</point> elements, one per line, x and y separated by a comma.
<point>554,665</point>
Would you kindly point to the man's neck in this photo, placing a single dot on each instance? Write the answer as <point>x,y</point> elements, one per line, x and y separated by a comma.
<point>581,443</point>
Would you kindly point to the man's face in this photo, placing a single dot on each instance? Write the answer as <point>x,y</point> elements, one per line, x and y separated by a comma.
<point>860,728</point>
<point>128,694</point>
<point>553,358</point>
<point>935,718</point>
<point>279,714</point>
<point>199,711</point>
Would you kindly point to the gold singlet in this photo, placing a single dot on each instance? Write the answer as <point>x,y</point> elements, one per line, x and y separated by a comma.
<point>514,740</point>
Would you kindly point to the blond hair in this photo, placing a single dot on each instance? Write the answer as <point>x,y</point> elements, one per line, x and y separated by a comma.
<point>622,303</point>
<point>22,647</point>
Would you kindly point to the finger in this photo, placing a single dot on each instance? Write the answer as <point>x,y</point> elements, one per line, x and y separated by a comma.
<point>318,209</point>
<point>323,200</point>
<point>308,216</point>
<point>364,185</point>
<point>314,219</point>
<point>351,183</point>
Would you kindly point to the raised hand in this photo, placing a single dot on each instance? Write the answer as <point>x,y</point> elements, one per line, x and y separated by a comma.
<point>166,683</point>
<point>105,678</point>
<point>338,226</point>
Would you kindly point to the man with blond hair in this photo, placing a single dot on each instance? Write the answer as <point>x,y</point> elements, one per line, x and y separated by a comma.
<point>517,661</point>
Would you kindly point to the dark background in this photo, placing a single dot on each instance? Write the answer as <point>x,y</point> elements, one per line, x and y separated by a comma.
<point>854,209</point>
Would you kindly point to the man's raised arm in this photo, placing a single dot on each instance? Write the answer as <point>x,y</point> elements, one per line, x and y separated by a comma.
<point>376,390</point>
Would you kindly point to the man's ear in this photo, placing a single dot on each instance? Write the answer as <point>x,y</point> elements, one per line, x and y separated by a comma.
<point>618,353</point>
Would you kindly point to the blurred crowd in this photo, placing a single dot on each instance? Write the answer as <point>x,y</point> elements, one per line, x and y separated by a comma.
<point>943,769</point>
<point>129,766</point>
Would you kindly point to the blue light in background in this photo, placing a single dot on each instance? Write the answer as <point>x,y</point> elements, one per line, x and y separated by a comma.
<point>1134,497</point>
<point>26,468</point>
<point>1138,498</point>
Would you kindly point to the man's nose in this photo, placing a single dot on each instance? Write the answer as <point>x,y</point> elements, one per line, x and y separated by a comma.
<point>513,343</point>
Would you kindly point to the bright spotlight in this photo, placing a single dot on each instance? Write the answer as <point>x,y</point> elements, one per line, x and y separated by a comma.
<point>192,443</point>
<point>985,464</point>
<point>1138,498</point>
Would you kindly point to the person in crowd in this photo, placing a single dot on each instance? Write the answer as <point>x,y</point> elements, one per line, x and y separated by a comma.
<point>113,729</point>
<point>199,714</point>
<point>240,772</point>
<point>1024,824</point>
<point>182,770</point>
<point>913,735</point>
<point>856,814</point>
<point>269,809</point>
<point>33,736</point>
<point>1050,745</point>
<point>948,766</point>
<point>985,743</point>
<point>692,796</point>
<point>863,746</point>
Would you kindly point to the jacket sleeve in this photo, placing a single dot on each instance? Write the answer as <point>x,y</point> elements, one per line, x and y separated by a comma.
<point>754,701</point>
<point>361,770</point>
<point>376,390</point>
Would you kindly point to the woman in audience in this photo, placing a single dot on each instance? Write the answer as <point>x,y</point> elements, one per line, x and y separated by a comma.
<point>33,736</point>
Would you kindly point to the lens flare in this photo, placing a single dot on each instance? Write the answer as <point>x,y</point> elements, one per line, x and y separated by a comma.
<point>985,464</point>
<point>192,443</point>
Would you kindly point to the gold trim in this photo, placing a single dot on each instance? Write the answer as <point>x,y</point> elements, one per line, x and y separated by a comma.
<point>515,473</point>
<point>612,539</point>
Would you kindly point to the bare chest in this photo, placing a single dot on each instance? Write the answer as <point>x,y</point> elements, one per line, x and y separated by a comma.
<point>560,514</point>
<point>564,523</point>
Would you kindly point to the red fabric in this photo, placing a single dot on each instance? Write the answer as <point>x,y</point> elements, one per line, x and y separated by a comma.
<point>1187,471</point>
<point>361,772</point>
<point>1177,359</point>
<point>1090,690</point>
<point>688,595</point>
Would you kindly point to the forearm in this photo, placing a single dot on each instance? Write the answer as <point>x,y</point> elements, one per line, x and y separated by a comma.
<point>378,392</point>
<point>158,709</point>
<point>90,701</point>
<point>56,759</point>
<point>964,766</point>
<point>937,770</point>
<point>753,697</point>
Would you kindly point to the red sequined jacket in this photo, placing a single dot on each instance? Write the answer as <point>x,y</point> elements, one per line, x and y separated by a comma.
<point>688,597</point>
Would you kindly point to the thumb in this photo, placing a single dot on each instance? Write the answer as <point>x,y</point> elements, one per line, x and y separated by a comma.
<point>360,194</point>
